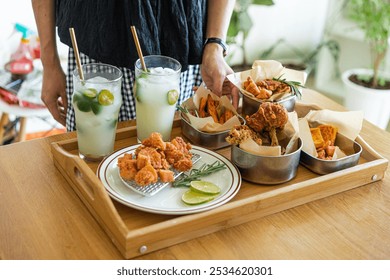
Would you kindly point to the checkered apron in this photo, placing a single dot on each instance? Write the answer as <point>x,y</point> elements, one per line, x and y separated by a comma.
<point>188,80</point>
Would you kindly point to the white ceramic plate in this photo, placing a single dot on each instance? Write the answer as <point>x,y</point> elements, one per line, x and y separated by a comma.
<point>168,201</point>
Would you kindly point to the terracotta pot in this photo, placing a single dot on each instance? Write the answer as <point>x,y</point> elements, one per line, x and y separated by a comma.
<point>375,103</point>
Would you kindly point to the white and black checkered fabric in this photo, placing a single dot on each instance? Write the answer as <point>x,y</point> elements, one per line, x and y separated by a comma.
<point>188,80</point>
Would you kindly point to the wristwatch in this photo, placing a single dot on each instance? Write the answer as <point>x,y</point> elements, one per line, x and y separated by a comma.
<point>219,42</point>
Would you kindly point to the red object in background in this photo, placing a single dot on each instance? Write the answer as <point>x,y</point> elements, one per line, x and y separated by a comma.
<point>8,97</point>
<point>12,99</point>
<point>22,66</point>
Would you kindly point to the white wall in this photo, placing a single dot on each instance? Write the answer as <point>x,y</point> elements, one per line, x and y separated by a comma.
<point>300,22</point>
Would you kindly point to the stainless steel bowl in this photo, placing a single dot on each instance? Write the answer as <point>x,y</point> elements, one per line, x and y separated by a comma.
<point>251,105</point>
<point>321,166</point>
<point>268,170</point>
<point>208,140</point>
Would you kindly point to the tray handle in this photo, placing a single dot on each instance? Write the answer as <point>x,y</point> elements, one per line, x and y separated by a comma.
<point>89,189</point>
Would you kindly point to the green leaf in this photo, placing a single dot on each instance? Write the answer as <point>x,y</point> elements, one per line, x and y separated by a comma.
<point>263,2</point>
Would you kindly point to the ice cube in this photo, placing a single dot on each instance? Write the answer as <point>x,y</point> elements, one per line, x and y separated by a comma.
<point>97,79</point>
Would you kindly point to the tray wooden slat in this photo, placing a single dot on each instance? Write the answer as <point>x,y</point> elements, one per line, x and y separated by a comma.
<point>135,232</point>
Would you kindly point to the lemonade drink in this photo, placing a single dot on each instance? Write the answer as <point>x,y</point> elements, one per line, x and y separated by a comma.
<point>156,92</point>
<point>96,102</point>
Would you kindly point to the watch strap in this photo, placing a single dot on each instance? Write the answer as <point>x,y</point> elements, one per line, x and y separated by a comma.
<point>218,41</point>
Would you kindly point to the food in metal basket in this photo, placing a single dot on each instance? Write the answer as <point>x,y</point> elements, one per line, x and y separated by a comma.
<point>240,133</point>
<point>208,107</point>
<point>153,160</point>
<point>266,88</point>
<point>269,117</point>
<point>324,137</point>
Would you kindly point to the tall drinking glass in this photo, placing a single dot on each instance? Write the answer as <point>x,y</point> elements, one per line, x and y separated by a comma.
<point>96,102</point>
<point>156,92</point>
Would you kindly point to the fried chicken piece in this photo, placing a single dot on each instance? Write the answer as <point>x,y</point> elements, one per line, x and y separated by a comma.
<point>184,164</point>
<point>154,140</point>
<point>240,133</point>
<point>147,175</point>
<point>142,161</point>
<point>127,167</point>
<point>156,158</point>
<point>165,175</point>
<point>269,117</point>
<point>212,108</point>
<point>177,153</point>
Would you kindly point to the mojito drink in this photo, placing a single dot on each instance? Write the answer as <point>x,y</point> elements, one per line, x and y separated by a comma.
<point>96,102</point>
<point>157,92</point>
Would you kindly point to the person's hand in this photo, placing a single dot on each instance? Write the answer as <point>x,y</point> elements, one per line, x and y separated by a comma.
<point>54,92</point>
<point>214,71</point>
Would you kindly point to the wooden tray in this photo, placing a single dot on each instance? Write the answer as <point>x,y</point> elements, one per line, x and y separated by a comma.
<point>135,232</point>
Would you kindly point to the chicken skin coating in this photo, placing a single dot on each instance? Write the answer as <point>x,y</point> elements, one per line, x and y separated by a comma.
<point>270,115</point>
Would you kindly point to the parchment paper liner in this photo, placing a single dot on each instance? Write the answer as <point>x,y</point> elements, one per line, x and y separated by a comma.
<point>207,124</point>
<point>349,124</point>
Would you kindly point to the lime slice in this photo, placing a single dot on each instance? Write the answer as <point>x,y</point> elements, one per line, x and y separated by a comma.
<point>96,107</point>
<point>193,198</point>
<point>105,97</point>
<point>205,187</point>
<point>77,96</point>
<point>84,106</point>
<point>172,96</point>
<point>90,93</point>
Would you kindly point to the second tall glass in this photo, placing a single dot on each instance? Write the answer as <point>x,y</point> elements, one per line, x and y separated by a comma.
<point>156,92</point>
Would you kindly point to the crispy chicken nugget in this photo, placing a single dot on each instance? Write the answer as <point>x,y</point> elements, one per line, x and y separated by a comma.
<point>147,175</point>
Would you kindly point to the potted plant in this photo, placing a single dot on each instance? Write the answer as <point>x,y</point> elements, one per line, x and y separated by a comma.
<point>240,25</point>
<point>369,89</point>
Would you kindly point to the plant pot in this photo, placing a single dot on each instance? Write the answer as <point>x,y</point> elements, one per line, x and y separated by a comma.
<point>375,103</point>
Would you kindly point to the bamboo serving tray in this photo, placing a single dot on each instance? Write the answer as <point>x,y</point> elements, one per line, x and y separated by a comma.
<point>135,232</point>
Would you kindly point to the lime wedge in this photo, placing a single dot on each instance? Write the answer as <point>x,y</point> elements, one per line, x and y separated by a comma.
<point>96,107</point>
<point>90,93</point>
<point>172,96</point>
<point>205,187</point>
<point>193,198</point>
<point>84,106</point>
<point>105,97</point>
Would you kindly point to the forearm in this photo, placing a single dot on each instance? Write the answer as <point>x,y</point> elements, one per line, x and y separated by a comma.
<point>218,17</point>
<point>44,12</point>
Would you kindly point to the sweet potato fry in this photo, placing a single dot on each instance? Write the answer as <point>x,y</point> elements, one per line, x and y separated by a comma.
<point>202,108</point>
<point>211,107</point>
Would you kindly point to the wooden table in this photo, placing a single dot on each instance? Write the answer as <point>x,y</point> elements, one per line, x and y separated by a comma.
<point>42,218</point>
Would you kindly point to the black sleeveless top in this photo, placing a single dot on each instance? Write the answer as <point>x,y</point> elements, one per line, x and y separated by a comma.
<point>174,28</point>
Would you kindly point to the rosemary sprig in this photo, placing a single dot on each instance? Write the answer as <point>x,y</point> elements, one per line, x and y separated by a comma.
<point>182,109</point>
<point>293,85</point>
<point>196,174</point>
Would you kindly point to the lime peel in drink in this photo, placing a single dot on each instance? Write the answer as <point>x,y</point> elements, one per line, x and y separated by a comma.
<point>172,96</point>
